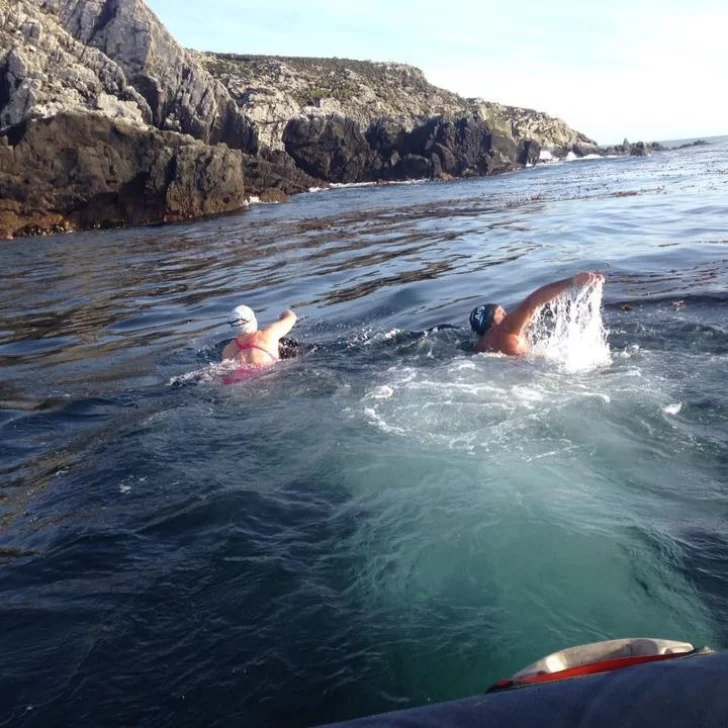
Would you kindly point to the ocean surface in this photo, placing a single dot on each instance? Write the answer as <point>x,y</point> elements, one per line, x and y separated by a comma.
<point>387,520</point>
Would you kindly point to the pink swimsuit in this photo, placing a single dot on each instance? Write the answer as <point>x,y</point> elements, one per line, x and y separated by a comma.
<point>246,371</point>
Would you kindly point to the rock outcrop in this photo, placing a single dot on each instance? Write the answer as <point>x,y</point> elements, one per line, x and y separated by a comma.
<point>627,149</point>
<point>334,148</point>
<point>93,97</point>
<point>272,91</point>
<point>105,119</point>
<point>271,170</point>
<point>526,125</point>
<point>180,94</point>
<point>76,171</point>
<point>44,71</point>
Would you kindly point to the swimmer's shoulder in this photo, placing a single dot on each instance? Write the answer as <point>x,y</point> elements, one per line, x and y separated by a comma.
<point>501,343</point>
<point>229,351</point>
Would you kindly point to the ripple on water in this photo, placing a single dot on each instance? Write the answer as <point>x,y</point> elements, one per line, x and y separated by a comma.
<point>389,520</point>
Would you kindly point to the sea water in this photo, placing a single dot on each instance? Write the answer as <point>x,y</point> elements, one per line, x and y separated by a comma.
<point>388,520</point>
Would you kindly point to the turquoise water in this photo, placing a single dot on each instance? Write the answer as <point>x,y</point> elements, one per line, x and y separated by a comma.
<point>388,520</point>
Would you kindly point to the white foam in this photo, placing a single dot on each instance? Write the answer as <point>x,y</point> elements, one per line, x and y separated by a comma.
<point>406,182</point>
<point>672,409</point>
<point>575,338</point>
<point>379,422</point>
<point>383,392</point>
<point>478,404</point>
<point>254,200</point>
<point>592,156</point>
<point>344,185</point>
<point>209,373</point>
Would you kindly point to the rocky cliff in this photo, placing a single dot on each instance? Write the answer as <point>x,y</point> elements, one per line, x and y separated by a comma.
<point>273,90</point>
<point>351,121</point>
<point>114,91</point>
<point>105,119</point>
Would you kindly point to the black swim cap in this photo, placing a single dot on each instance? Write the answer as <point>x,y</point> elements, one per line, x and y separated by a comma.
<point>481,317</point>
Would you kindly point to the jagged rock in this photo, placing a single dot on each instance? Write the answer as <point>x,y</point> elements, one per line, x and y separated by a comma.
<point>444,161</point>
<point>334,149</point>
<point>414,166</point>
<point>503,154</point>
<point>276,169</point>
<point>461,147</point>
<point>549,133</point>
<point>180,93</point>
<point>581,150</point>
<point>272,194</point>
<point>386,137</point>
<point>273,90</point>
<point>331,148</point>
<point>44,71</point>
<point>697,143</point>
<point>76,171</point>
<point>638,149</point>
<point>81,65</point>
<point>529,152</point>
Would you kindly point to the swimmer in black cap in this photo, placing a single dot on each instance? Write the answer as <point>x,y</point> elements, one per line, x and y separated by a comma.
<point>504,332</point>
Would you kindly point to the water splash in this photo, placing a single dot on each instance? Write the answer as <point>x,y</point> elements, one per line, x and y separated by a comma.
<point>571,333</point>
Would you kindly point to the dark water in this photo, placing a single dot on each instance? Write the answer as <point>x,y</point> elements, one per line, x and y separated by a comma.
<point>388,520</point>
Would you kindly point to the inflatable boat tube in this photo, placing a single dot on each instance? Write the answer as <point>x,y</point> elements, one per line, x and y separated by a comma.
<point>658,684</point>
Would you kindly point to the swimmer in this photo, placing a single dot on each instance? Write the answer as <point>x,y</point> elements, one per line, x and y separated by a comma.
<point>253,347</point>
<point>504,332</point>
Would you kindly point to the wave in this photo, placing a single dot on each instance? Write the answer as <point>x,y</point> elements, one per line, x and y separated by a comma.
<point>254,200</point>
<point>587,157</point>
<point>381,183</point>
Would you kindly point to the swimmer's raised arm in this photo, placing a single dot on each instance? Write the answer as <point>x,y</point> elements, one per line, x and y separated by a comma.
<point>521,316</point>
<point>286,321</point>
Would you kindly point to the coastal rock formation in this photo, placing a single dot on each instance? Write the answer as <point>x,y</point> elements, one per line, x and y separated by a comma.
<point>84,87</point>
<point>638,149</point>
<point>272,91</point>
<point>180,94</point>
<point>551,134</point>
<point>335,149</point>
<point>75,171</point>
<point>44,71</point>
<point>275,170</point>
<point>105,119</point>
<point>331,148</point>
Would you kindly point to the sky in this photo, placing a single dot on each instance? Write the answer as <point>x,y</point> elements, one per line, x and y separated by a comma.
<point>642,69</point>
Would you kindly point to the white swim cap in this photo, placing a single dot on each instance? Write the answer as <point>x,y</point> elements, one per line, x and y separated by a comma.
<point>243,319</point>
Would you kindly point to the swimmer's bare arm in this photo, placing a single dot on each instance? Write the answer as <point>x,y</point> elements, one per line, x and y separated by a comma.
<point>516,321</point>
<point>286,321</point>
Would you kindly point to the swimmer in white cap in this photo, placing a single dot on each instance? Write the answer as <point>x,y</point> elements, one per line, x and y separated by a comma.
<point>254,348</point>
